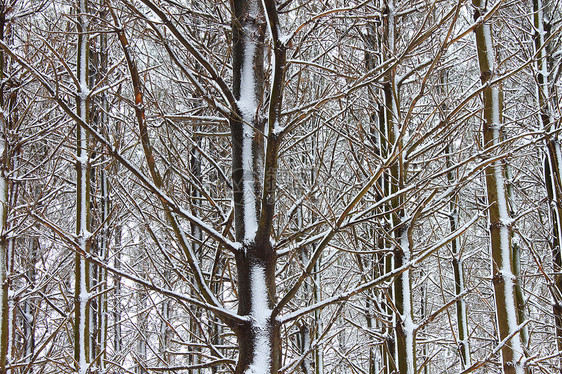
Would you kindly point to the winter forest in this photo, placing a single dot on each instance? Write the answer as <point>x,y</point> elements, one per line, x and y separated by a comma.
<point>280,186</point>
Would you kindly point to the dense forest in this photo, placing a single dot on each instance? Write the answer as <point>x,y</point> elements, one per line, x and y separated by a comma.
<point>280,186</point>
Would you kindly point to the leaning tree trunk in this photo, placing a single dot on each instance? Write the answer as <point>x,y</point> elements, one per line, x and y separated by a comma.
<point>504,281</point>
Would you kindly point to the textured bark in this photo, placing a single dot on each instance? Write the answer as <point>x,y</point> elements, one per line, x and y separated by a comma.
<point>503,279</point>
<point>254,199</point>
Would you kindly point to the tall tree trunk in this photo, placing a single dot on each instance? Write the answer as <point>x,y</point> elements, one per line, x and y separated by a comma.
<point>405,348</point>
<point>380,357</point>
<point>457,253</point>
<point>254,201</point>
<point>9,156</point>
<point>507,315</point>
<point>197,234</point>
<point>29,308</point>
<point>164,338</point>
<point>4,196</point>
<point>142,312</point>
<point>117,308</point>
<point>458,272</point>
<point>553,161</point>
<point>99,182</point>
<point>82,273</point>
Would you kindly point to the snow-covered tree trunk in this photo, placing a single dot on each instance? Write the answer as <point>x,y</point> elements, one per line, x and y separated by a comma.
<point>553,159</point>
<point>117,308</point>
<point>500,221</point>
<point>404,328</point>
<point>197,234</point>
<point>101,202</point>
<point>141,325</point>
<point>305,335</point>
<point>29,306</point>
<point>9,163</point>
<point>82,273</point>
<point>4,292</point>
<point>102,303</point>
<point>164,338</point>
<point>380,357</point>
<point>258,338</point>
<point>255,142</point>
<point>4,196</point>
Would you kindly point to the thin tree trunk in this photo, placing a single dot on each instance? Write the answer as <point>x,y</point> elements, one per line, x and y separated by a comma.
<point>9,156</point>
<point>197,234</point>
<point>462,317</point>
<point>553,159</point>
<point>142,313</point>
<point>4,195</point>
<point>164,338</point>
<point>458,271</point>
<point>405,348</point>
<point>117,309</point>
<point>28,315</point>
<point>82,273</point>
<point>507,315</point>
<point>99,119</point>
<point>380,357</point>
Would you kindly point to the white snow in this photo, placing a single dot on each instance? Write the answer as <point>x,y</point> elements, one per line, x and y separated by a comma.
<point>248,106</point>
<point>505,234</point>
<point>284,39</point>
<point>496,120</point>
<point>260,317</point>
<point>407,320</point>
<point>3,203</point>
<point>278,129</point>
<point>82,158</point>
<point>489,46</point>
<point>82,333</point>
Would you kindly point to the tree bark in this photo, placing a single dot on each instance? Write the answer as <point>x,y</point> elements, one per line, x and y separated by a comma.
<point>99,182</point>
<point>82,273</point>
<point>254,156</point>
<point>457,253</point>
<point>4,196</point>
<point>504,281</point>
<point>553,161</point>
<point>404,331</point>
